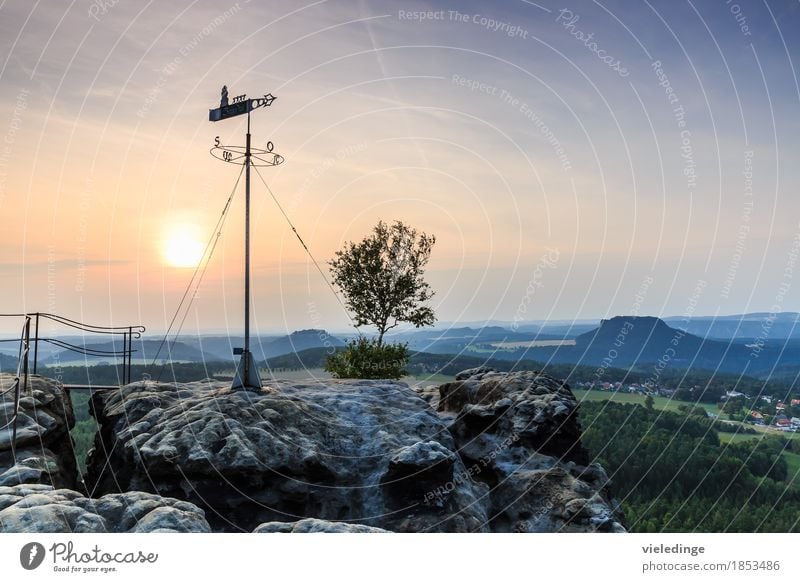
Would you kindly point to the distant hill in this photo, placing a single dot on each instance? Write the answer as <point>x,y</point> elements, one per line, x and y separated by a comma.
<point>725,327</point>
<point>221,347</point>
<point>145,350</point>
<point>301,340</point>
<point>203,349</point>
<point>631,340</point>
<point>623,342</point>
<point>714,383</point>
<point>8,364</point>
<point>457,339</point>
<point>742,326</point>
<point>649,342</point>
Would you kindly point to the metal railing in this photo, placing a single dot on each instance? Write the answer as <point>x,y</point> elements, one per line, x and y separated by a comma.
<point>128,333</point>
<point>21,380</point>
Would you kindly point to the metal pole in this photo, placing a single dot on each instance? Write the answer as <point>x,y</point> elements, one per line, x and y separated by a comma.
<point>247,254</point>
<point>36,345</point>
<point>124,358</point>
<point>126,346</point>
<point>130,353</point>
<point>27,346</point>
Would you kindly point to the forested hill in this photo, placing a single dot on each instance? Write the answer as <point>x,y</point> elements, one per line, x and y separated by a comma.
<point>624,342</point>
<point>672,474</point>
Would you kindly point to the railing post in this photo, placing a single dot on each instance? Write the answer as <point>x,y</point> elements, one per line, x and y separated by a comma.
<point>124,371</point>
<point>36,345</point>
<point>26,350</point>
<point>130,353</point>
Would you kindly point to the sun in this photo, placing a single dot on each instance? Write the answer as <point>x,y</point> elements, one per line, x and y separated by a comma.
<point>182,248</point>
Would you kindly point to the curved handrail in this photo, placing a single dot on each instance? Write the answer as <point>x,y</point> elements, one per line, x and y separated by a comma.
<point>107,329</point>
<point>128,333</point>
<point>89,327</point>
<point>83,349</point>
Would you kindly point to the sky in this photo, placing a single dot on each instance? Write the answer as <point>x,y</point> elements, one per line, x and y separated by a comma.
<point>575,160</point>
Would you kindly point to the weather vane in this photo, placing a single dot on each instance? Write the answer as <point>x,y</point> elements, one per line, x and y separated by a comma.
<point>247,376</point>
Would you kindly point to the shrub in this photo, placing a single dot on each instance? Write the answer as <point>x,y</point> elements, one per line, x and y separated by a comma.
<point>368,358</point>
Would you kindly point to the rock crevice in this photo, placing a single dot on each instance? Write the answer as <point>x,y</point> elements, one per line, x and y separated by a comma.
<point>518,432</point>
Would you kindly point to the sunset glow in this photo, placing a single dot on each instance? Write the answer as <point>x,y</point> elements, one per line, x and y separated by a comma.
<point>183,249</point>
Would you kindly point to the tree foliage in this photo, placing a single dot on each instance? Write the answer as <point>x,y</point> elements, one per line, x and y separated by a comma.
<point>366,358</point>
<point>381,277</point>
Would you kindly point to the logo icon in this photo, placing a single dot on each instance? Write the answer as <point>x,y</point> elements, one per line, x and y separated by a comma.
<point>31,555</point>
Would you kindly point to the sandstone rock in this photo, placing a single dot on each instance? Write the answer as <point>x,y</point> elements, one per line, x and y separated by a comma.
<point>518,433</point>
<point>44,452</point>
<point>428,392</point>
<point>43,509</point>
<point>366,452</point>
<point>504,454</point>
<point>311,525</point>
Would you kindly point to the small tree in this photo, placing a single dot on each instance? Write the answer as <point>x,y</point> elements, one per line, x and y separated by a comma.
<point>648,402</point>
<point>381,277</point>
<point>364,358</point>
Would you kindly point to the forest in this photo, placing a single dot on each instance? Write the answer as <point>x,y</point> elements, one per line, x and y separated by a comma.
<point>672,473</point>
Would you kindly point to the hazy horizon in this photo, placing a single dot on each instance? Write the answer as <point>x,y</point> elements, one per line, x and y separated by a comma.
<point>9,331</point>
<point>635,160</point>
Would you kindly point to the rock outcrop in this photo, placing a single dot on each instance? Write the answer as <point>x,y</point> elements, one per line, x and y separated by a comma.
<point>44,452</point>
<point>503,454</point>
<point>362,452</point>
<point>311,525</point>
<point>43,509</point>
<point>518,433</point>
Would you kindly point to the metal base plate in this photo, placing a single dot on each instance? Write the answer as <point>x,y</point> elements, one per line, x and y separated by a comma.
<point>247,376</point>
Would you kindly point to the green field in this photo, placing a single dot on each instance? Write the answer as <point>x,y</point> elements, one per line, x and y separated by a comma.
<point>427,379</point>
<point>728,437</point>
<point>793,463</point>
<point>771,432</point>
<point>659,402</point>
